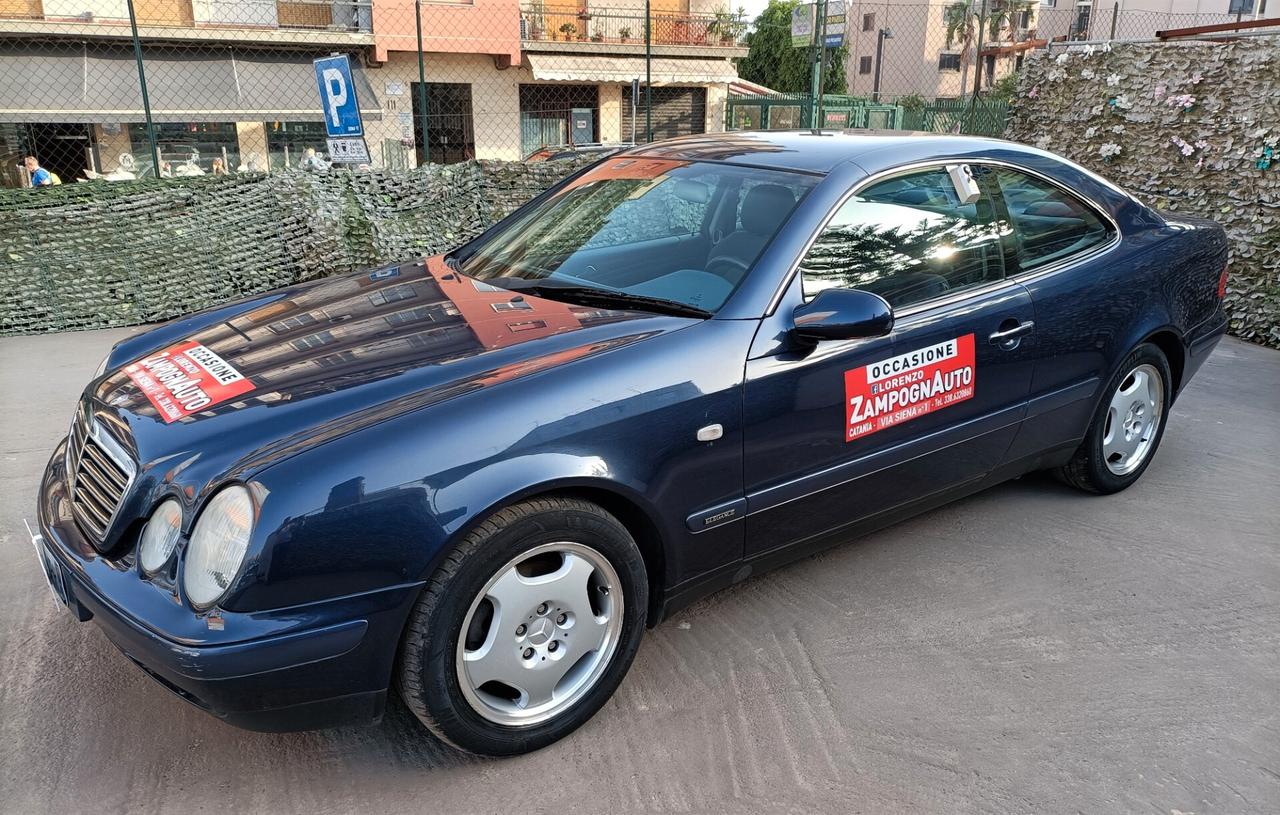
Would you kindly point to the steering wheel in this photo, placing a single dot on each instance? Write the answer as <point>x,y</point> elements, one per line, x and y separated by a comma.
<point>733,268</point>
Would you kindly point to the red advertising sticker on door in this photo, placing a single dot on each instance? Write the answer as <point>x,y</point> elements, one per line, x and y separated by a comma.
<point>908,386</point>
<point>186,378</point>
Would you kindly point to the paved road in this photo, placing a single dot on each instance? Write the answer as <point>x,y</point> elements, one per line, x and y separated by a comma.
<point>1027,650</point>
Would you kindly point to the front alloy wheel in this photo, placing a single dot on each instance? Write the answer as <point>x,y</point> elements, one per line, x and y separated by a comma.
<point>526,628</point>
<point>540,633</point>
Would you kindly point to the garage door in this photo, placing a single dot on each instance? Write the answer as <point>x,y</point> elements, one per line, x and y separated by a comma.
<point>676,112</point>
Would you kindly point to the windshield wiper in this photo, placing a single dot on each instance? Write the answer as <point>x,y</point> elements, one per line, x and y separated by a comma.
<point>590,296</point>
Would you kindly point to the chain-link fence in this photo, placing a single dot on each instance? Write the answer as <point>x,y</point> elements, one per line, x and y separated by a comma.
<point>125,89</point>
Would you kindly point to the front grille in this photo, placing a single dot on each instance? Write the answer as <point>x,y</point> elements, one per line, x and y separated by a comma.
<point>99,473</point>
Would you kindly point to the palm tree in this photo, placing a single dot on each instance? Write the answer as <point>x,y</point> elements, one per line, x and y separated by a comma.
<point>964,18</point>
<point>1005,14</point>
<point>962,21</point>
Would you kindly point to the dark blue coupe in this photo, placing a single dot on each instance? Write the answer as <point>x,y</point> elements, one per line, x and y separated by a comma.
<point>476,478</point>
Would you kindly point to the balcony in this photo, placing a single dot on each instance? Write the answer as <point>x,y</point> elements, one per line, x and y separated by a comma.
<point>621,30</point>
<point>276,21</point>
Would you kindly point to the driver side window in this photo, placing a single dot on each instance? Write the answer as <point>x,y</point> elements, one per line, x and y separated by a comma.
<point>909,239</point>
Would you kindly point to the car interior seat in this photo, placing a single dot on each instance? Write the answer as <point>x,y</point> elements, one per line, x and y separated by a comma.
<point>763,210</point>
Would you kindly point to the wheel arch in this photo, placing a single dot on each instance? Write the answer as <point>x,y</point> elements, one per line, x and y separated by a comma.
<point>1171,344</point>
<point>639,520</point>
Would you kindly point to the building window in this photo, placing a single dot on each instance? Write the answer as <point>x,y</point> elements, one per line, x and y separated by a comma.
<point>291,323</point>
<point>511,305</point>
<point>1246,7</point>
<point>312,341</point>
<point>864,65</point>
<point>287,142</point>
<point>869,22</point>
<point>413,315</point>
<point>394,294</point>
<point>555,115</point>
<point>339,358</point>
<point>527,325</point>
<point>191,143</point>
<point>1024,18</point>
<point>948,62</point>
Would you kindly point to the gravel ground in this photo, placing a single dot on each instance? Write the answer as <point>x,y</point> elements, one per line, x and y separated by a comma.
<point>1029,649</point>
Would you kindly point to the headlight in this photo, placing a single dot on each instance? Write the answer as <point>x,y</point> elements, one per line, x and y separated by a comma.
<point>160,536</point>
<point>102,367</point>
<point>218,545</point>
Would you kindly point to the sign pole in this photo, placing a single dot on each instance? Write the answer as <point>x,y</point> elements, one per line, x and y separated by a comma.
<point>821,34</point>
<point>648,73</point>
<point>422,84</point>
<point>146,101</point>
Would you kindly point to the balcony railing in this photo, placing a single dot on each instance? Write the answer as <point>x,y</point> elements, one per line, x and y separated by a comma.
<point>539,23</point>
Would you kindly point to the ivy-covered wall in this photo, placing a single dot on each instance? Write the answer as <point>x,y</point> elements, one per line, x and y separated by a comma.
<point>98,254</point>
<point>1187,127</point>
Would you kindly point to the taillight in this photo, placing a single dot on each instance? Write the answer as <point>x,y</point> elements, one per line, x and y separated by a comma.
<point>1222,283</point>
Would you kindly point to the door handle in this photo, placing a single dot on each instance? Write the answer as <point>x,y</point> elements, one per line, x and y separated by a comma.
<point>1009,338</point>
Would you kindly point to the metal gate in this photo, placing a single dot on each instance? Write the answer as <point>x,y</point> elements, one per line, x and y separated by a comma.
<point>676,112</point>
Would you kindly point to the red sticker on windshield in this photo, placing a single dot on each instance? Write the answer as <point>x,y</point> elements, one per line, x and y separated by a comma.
<point>908,386</point>
<point>186,378</point>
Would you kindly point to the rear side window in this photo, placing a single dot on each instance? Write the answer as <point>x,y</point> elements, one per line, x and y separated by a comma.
<point>1049,223</point>
<point>909,239</point>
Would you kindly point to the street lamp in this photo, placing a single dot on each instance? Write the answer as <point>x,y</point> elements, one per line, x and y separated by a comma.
<point>884,34</point>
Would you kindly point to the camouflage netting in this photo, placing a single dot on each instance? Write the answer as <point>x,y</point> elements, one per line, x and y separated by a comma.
<point>1187,127</point>
<point>98,255</point>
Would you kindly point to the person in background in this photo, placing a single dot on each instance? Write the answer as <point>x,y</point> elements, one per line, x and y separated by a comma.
<point>40,177</point>
<point>311,161</point>
<point>218,168</point>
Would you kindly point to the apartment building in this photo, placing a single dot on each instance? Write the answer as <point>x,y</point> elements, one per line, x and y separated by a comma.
<point>230,82</point>
<point>905,44</point>
<point>505,79</point>
<point>231,85</point>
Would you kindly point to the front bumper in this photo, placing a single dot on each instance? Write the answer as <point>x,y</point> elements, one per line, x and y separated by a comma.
<point>319,665</point>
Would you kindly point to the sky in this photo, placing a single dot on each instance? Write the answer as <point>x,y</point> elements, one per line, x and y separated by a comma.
<point>753,7</point>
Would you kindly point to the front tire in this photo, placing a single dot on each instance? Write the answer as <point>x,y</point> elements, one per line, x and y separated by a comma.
<point>526,628</point>
<point>1127,426</point>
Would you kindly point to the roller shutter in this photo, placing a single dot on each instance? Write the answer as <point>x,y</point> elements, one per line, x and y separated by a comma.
<point>676,112</point>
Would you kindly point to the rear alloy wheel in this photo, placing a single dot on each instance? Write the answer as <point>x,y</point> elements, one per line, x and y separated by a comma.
<point>1127,427</point>
<point>526,629</point>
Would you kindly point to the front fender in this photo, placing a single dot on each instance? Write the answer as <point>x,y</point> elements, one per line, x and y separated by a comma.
<point>381,505</point>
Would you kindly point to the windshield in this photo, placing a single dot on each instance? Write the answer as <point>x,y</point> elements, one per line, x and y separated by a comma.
<point>644,231</point>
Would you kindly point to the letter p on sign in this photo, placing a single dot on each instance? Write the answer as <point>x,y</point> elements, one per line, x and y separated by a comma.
<point>335,91</point>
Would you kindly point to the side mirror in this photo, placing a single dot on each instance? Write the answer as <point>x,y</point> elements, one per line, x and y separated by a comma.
<point>842,314</point>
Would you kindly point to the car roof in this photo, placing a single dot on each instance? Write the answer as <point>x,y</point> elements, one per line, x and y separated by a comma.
<point>821,151</point>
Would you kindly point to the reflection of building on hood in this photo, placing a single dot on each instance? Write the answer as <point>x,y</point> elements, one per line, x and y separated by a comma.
<point>376,325</point>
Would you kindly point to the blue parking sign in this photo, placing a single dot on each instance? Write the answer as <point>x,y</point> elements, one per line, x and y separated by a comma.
<point>338,97</point>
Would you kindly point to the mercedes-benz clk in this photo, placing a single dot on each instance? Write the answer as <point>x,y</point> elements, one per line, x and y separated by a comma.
<point>474,479</point>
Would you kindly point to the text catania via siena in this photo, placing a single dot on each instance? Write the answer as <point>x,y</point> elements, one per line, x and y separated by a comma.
<point>907,386</point>
<point>186,378</point>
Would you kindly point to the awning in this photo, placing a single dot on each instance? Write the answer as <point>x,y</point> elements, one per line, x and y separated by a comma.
<point>93,83</point>
<point>666,70</point>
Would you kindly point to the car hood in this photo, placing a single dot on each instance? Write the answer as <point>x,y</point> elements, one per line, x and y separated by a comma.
<point>326,358</point>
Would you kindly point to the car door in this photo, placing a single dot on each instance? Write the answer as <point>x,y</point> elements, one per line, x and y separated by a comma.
<point>1085,295</point>
<point>844,430</point>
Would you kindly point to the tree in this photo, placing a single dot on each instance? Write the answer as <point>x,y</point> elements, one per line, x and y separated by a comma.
<point>773,62</point>
<point>964,18</point>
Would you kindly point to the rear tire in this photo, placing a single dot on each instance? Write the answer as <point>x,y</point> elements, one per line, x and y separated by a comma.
<point>1127,426</point>
<point>526,629</point>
